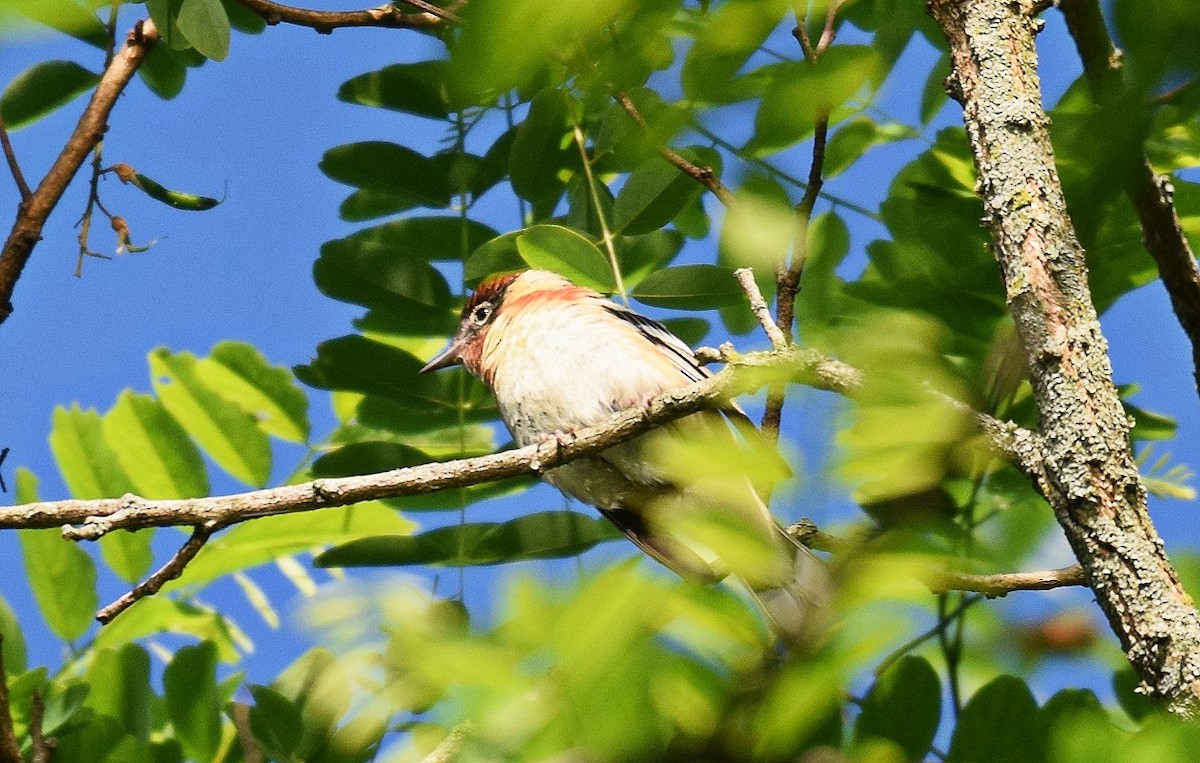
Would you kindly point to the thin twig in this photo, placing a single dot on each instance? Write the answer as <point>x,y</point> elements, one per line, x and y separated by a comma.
<point>703,175</point>
<point>43,748</point>
<point>449,748</point>
<point>1003,583</point>
<point>758,306</point>
<point>93,200</point>
<point>163,575</point>
<point>10,751</point>
<point>921,638</point>
<point>13,165</point>
<point>27,230</point>
<point>324,22</point>
<point>3,455</point>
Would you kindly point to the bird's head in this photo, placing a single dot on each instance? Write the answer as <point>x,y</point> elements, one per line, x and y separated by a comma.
<point>491,311</point>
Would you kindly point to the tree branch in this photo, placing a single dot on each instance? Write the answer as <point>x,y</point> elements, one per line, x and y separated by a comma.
<point>91,519</point>
<point>163,575</point>
<point>42,747</point>
<point>27,230</point>
<point>1091,477</point>
<point>1004,583</point>
<point>703,175</point>
<point>13,165</point>
<point>388,16</point>
<point>1151,194</point>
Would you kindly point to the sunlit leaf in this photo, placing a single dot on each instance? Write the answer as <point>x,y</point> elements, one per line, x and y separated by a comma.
<point>227,433</point>
<point>153,449</point>
<point>238,372</point>
<point>206,26</point>
<point>41,89</point>
<point>564,251</point>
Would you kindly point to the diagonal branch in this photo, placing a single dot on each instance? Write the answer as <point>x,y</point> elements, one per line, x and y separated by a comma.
<point>1150,193</point>
<point>163,575</point>
<point>27,230</point>
<point>388,16</point>
<point>703,175</point>
<point>14,167</point>
<point>1091,477</point>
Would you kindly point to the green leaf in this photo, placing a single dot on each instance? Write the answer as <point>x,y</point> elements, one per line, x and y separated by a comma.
<point>500,255</point>
<point>858,136</point>
<point>41,89</point>
<point>153,449</point>
<point>88,465</point>
<point>276,723</point>
<point>255,543</point>
<point>243,19</point>
<point>365,204</point>
<point>159,614</point>
<point>429,239</point>
<point>206,26</point>
<point>388,168</point>
<point>732,33</point>
<point>359,364</point>
<point>642,255</point>
<point>68,17</point>
<point>13,646</point>
<point>799,92</point>
<point>419,88</point>
<point>541,147</point>
<point>904,706</point>
<point>1136,705</point>
<point>162,72</point>
<point>192,700</point>
<point>544,535</point>
<point>227,433</point>
<point>657,191</point>
<point>239,373</point>
<point>120,688</point>
<point>690,287</point>
<point>371,274</point>
<point>933,97</point>
<point>568,253</point>
<point>165,14</point>
<point>54,565</point>
<point>1000,724</point>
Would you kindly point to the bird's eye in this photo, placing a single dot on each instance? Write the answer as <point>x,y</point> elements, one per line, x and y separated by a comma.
<point>481,313</point>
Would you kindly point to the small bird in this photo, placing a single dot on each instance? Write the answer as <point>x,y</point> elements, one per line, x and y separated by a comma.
<point>559,357</point>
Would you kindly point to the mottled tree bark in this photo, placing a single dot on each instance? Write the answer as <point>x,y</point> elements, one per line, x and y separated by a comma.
<point>1091,480</point>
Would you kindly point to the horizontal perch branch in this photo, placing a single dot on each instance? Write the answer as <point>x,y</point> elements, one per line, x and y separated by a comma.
<point>91,519</point>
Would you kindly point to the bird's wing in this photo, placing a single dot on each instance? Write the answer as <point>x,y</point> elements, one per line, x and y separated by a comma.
<point>677,352</point>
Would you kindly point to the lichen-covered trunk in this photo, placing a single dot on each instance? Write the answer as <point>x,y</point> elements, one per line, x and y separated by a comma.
<point>1091,479</point>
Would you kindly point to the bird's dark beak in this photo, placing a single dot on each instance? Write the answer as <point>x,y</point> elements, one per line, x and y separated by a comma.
<point>451,356</point>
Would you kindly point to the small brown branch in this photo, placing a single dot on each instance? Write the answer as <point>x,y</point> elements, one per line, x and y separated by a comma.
<point>10,750</point>
<point>1004,583</point>
<point>1150,193</point>
<point>758,306</point>
<point>43,748</point>
<point>27,230</point>
<point>388,16</point>
<point>703,175</point>
<point>13,165</point>
<point>163,575</point>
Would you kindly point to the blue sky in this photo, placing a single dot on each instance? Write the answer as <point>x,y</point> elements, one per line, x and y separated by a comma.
<point>257,125</point>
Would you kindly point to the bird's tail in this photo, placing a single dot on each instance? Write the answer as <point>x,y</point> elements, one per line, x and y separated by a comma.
<point>800,605</point>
